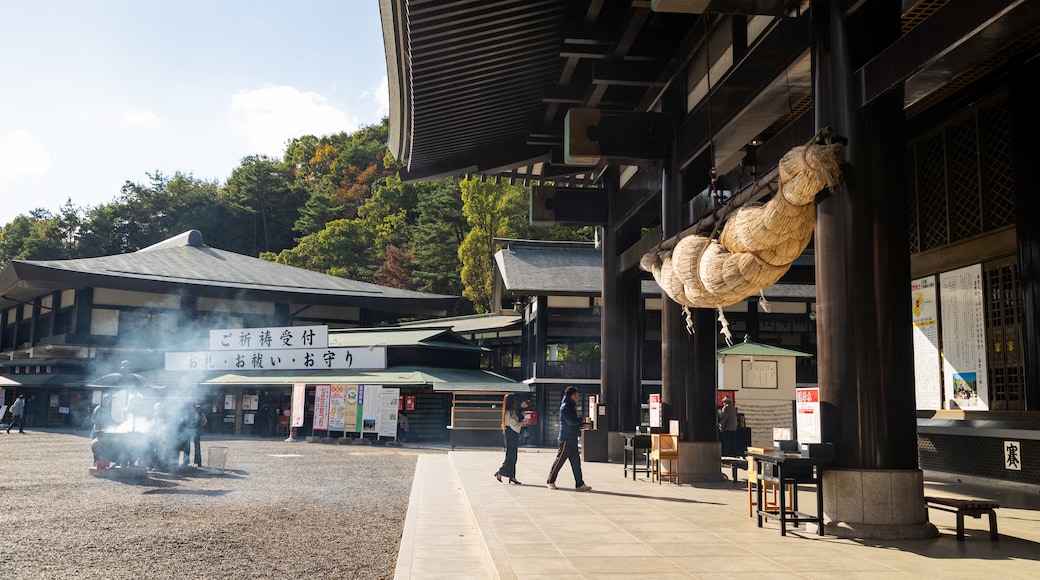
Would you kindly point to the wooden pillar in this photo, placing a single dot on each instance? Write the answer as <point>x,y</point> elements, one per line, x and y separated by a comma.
<point>1025,117</point>
<point>701,398</point>
<point>621,335</point>
<point>676,343</point>
<point>866,372</point>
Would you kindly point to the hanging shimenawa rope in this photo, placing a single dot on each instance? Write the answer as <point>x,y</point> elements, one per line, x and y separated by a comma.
<point>758,244</point>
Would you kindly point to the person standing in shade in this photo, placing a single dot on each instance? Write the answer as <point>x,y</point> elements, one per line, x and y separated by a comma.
<point>18,414</point>
<point>512,423</point>
<point>196,421</point>
<point>728,423</point>
<point>570,428</point>
<point>402,427</point>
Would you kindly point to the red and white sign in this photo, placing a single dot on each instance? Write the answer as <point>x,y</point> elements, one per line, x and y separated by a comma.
<point>655,410</point>
<point>807,412</point>
<point>298,403</point>
<point>322,394</point>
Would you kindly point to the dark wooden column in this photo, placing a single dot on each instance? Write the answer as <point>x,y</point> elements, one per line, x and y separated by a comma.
<point>1025,118</point>
<point>701,398</point>
<point>621,336</point>
<point>676,343</point>
<point>863,320</point>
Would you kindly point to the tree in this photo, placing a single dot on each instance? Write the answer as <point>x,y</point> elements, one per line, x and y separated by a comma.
<point>394,271</point>
<point>317,211</point>
<point>38,236</point>
<point>263,185</point>
<point>342,249</point>
<point>493,209</point>
<point>147,214</point>
<point>440,229</point>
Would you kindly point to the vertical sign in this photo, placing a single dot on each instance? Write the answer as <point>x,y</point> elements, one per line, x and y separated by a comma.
<point>321,407</point>
<point>386,425</point>
<point>350,422</point>
<point>655,410</point>
<point>409,403</point>
<point>299,392</point>
<point>370,411</point>
<point>337,407</point>
<point>1012,455</point>
<point>807,415</point>
<point>927,370</point>
<point>359,412</point>
<point>963,339</point>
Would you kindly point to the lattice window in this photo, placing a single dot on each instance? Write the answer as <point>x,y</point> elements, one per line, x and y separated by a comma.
<point>998,178</point>
<point>960,181</point>
<point>1004,355</point>
<point>931,183</point>
<point>963,182</point>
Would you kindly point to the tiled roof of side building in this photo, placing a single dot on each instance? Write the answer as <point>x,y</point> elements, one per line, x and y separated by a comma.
<point>185,260</point>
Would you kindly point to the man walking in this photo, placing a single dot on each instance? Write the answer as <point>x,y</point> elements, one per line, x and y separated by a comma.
<point>570,427</point>
<point>18,414</point>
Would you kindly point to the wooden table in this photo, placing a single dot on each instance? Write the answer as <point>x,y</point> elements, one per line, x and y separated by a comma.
<point>790,469</point>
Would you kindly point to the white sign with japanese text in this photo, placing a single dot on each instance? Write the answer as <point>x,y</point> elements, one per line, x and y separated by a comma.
<point>807,407</point>
<point>927,370</point>
<point>276,337</point>
<point>386,425</point>
<point>339,358</point>
<point>1013,455</point>
<point>963,339</point>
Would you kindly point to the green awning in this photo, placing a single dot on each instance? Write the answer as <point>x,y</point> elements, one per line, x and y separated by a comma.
<point>748,348</point>
<point>441,380</point>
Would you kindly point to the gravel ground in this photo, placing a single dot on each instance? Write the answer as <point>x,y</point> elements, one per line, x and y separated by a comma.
<point>278,510</point>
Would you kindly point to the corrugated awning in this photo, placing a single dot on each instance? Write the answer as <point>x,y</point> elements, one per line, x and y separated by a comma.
<point>442,380</point>
<point>38,379</point>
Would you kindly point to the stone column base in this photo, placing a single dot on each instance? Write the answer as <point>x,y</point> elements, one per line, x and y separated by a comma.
<point>700,461</point>
<point>876,504</point>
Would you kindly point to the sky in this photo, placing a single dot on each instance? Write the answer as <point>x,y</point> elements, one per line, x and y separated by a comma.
<point>95,94</point>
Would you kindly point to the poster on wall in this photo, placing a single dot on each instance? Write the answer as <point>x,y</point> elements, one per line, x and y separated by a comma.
<point>807,415</point>
<point>321,407</point>
<point>370,412</point>
<point>298,403</point>
<point>337,407</point>
<point>229,402</point>
<point>758,374</point>
<point>251,402</point>
<point>927,370</point>
<point>963,339</point>
<point>386,425</point>
<point>350,409</point>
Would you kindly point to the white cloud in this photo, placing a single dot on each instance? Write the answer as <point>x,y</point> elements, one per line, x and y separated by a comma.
<point>139,119</point>
<point>381,96</point>
<point>271,116</point>
<point>20,155</point>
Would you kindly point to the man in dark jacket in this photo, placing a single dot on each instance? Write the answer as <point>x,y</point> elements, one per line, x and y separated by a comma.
<point>570,428</point>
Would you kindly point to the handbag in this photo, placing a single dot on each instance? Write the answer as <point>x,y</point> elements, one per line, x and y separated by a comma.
<point>203,420</point>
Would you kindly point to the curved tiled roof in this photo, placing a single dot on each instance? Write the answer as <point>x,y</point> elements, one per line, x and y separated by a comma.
<point>186,261</point>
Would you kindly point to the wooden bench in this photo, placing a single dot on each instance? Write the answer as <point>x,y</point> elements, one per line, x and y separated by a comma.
<point>966,507</point>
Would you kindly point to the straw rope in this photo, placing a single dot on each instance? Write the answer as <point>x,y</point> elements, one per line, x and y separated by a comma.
<point>758,244</point>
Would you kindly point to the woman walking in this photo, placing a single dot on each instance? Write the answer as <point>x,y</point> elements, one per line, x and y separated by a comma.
<point>512,422</point>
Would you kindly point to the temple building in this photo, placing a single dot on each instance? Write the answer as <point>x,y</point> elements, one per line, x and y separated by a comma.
<point>669,123</point>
